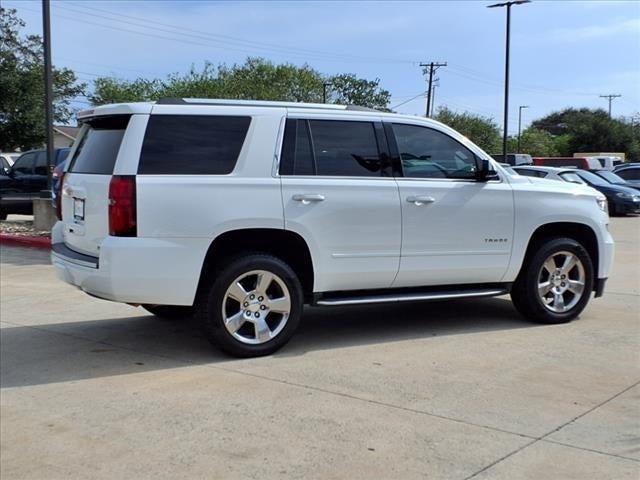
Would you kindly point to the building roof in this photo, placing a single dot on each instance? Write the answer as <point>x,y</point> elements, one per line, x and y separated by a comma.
<point>66,131</point>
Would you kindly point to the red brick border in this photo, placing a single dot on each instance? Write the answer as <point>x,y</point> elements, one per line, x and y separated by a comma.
<point>25,240</point>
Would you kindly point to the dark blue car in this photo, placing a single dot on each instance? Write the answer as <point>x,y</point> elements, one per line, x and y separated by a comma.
<point>24,181</point>
<point>621,199</point>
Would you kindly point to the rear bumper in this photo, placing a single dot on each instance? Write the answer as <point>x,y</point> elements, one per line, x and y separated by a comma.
<point>134,270</point>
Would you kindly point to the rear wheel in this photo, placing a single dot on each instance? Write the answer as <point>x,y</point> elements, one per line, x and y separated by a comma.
<point>252,307</point>
<point>556,282</point>
<point>169,311</point>
<point>3,215</point>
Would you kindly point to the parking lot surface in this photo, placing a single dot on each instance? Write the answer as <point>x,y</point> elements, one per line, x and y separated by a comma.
<point>458,389</point>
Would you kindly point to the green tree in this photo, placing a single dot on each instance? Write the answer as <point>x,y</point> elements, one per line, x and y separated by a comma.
<point>483,131</point>
<point>22,115</point>
<point>348,89</point>
<point>589,130</point>
<point>255,79</point>
<point>535,142</point>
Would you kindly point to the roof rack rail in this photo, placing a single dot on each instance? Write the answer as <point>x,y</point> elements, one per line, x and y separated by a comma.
<point>260,103</point>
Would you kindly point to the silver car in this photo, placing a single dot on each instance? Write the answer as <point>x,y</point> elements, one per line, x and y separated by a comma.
<point>550,173</point>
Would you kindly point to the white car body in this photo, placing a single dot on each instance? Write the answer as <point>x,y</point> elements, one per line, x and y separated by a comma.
<point>367,232</point>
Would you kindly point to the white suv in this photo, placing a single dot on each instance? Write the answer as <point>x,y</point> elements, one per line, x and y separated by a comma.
<point>240,212</point>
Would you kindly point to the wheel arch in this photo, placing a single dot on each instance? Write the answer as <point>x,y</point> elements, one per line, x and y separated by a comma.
<point>579,232</point>
<point>287,245</point>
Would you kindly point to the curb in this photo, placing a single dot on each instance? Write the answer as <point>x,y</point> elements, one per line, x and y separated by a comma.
<point>25,240</point>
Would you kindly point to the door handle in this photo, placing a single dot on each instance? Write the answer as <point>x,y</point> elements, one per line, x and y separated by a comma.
<point>307,198</point>
<point>420,199</point>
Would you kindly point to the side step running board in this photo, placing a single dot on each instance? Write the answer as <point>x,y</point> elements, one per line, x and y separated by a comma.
<point>414,296</point>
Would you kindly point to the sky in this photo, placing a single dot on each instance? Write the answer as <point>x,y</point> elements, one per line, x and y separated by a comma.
<point>563,53</point>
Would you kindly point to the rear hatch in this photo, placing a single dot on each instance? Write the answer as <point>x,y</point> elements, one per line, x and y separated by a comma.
<point>85,190</point>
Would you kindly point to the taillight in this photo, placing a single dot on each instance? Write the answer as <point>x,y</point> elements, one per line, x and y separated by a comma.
<point>122,206</point>
<point>58,185</point>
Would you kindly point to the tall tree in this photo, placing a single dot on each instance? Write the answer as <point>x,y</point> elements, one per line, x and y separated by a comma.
<point>483,131</point>
<point>348,89</point>
<point>255,79</point>
<point>22,115</point>
<point>587,130</point>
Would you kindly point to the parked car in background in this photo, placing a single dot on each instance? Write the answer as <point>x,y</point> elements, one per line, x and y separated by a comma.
<point>614,178</point>
<point>8,158</point>
<point>514,158</point>
<point>585,163</point>
<point>621,199</point>
<point>630,172</point>
<point>551,173</point>
<point>24,181</point>
<point>508,168</point>
<point>625,165</point>
<point>273,205</point>
<point>607,162</point>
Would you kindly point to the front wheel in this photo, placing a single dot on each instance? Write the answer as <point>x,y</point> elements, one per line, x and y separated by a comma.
<point>555,282</point>
<point>252,306</point>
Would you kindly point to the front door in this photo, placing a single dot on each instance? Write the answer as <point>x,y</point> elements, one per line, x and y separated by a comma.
<point>455,230</point>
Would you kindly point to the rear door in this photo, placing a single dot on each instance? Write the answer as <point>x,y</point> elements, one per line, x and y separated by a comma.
<point>85,192</point>
<point>339,194</point>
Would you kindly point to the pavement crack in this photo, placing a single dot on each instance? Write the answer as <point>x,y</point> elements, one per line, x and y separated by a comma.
<point>543,437</point>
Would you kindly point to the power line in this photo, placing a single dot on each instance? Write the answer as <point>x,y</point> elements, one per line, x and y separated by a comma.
<point>233,40</point>
<point>430,67</point>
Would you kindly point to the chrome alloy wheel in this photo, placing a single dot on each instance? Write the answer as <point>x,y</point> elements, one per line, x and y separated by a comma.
<point>256,307</point>
<point>561,282</point>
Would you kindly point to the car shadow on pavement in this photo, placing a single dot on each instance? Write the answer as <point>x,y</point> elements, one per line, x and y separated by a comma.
<point>72,351</point>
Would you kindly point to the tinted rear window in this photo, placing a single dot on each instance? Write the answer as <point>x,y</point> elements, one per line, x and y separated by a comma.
<point>192,144</point>
<point>98,147</point>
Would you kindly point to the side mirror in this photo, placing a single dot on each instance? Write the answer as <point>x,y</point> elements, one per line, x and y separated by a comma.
<point>4,171</point>
<point>486,172</point>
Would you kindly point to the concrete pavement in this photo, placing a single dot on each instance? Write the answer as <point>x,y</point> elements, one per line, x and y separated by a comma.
<point>465,389</point>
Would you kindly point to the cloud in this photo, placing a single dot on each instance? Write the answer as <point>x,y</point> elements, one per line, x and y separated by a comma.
<point>579,34</point>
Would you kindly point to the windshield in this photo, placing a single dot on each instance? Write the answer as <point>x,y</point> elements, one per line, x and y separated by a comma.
<point>611,177</point>
<point>592,178</point>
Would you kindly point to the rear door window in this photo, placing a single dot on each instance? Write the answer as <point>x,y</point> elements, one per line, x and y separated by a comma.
<point>98,149</point>
<point>192,144</point>
<point>346,149</point>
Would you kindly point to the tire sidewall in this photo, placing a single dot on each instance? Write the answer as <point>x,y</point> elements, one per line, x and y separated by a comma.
<point>533,270</point>
<point>213,321</point>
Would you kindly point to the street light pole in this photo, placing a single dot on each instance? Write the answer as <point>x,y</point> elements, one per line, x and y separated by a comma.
<point>520,123</point>
<point>506,72</point>
<point>48,86</point>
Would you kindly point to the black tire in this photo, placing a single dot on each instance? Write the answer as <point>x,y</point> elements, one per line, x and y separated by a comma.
<point>170,312</point>
<point>524,293</point>
<point>211,296</point>
<point>3,215</point>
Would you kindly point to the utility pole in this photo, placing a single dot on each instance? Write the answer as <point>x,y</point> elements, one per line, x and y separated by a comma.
<point>610,98</point>
<point>48,86</point>
<point>430,68</point>
<point>520,123</point>
<point>324,91</point>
